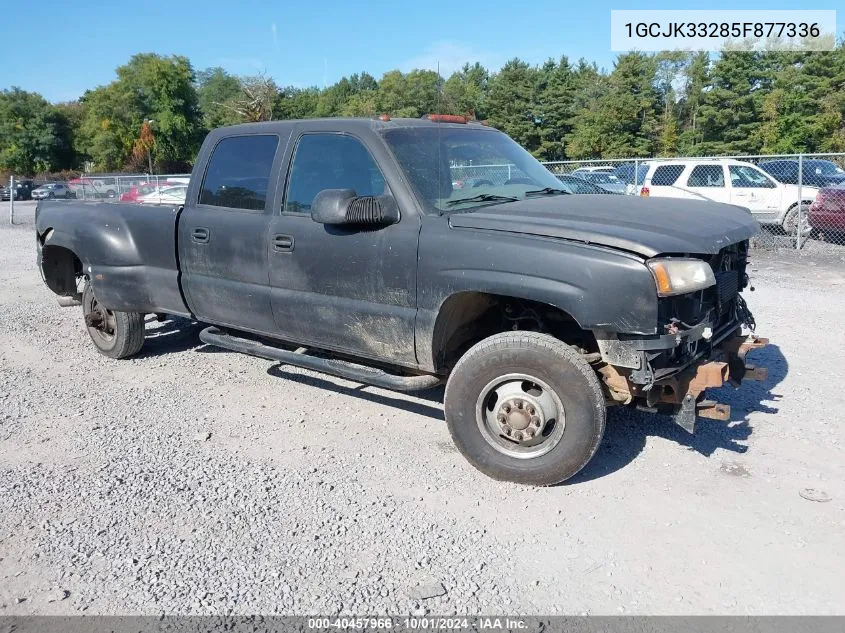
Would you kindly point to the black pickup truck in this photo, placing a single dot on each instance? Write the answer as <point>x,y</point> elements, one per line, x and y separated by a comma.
<point>359,241</point>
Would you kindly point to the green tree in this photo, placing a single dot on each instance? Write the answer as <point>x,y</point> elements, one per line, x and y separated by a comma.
<point>805,109</point>
<point>33,134</point>
<point>696,79</point>
<point>730,116</point>
<point>296,103</point>
<point>556,107</point>
<point>511,103</point>
<point>621,120</point>
<point>215,89</point>
<point>465,91</point>
<point>149,87</point>
<point>669,77</point>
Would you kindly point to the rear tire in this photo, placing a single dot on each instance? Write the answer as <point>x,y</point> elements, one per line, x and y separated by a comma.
<point>115,334</point>
<point>525,407</point>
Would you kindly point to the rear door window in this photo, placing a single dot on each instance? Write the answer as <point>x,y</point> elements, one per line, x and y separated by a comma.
<point>666,175</point>
<point>706,176</point>
<point>238,173</point>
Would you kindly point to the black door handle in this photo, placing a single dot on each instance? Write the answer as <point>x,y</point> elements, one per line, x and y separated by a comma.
<point>200,235</point>
<point>283,243</point>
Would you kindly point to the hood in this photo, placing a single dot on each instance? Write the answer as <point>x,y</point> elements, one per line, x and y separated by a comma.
<point>647,226</point>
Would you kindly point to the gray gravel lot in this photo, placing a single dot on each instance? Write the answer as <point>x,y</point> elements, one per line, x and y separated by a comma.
<point>191,480</point>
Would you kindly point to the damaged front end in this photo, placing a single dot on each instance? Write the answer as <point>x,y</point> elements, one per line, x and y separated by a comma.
<point>682,393</point>
<point>700,346</point>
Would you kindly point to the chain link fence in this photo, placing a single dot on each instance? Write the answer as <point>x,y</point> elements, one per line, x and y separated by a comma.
<point>799,199</point>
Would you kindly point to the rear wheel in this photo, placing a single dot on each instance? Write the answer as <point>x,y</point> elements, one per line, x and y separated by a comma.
<point>115,334</point>
<point>525,407</point>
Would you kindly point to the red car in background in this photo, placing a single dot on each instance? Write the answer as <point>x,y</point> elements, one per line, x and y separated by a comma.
<point>144,189</point>
<point>827,213</point>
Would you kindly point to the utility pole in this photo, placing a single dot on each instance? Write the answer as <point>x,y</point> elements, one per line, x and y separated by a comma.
<point>150,122</point>
<point>12,200</point>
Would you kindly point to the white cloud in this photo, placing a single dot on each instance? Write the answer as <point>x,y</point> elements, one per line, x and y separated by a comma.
<point>451,56</point>
<point>275,32</point>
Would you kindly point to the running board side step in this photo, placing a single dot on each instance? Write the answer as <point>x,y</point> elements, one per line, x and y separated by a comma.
<point>342,369</point>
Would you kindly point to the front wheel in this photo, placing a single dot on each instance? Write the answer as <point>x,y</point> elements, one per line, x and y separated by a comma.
<point>790,221</point>
<point>525,407</point>
<point>115,334</point>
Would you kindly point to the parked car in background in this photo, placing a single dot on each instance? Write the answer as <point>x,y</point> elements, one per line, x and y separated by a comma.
<point>23,190</point>
<point>603,179</point>
<point>94,187</point>
<point>51,190</point>
<point>732,181</point>
<point>573,184</point>
<point>144,189</point>
<point>827,213</point>
<point>632,174</point>
<point>471,183</point>
<point>602,169</point>
<point>814,172</point>
<point>166,195</point>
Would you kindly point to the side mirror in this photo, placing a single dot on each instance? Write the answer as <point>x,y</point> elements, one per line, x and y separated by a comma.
<point>343,206</point>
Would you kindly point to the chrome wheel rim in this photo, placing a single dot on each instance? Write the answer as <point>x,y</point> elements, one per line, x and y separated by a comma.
<point>520,416</point>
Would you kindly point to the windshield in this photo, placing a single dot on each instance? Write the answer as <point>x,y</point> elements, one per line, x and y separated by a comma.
<point>601,178</point>
<point>457,170</point>
<point>824,167</point>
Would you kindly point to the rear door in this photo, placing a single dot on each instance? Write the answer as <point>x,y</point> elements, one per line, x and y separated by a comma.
<point>346,288</point>
<point>707,181</point>
<point>223,234</point>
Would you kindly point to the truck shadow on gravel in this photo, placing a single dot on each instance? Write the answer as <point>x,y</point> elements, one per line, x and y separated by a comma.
<point>626,432</point>
<point>435,395</point>
<point>174,334</point>
<point>627,429</point>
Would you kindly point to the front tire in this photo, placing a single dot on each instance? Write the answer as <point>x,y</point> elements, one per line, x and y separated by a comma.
<point>790,221</point>
<point>115,334</point>
<point>525,407</point>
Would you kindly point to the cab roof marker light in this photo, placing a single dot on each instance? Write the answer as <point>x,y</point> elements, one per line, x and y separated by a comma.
<point>446,118</point>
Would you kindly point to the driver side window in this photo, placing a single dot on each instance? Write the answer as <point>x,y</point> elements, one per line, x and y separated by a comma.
<point>330,161</point>
<point>743,177</point>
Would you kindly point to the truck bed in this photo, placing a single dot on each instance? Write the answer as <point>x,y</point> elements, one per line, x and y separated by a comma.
<point>127,250</point>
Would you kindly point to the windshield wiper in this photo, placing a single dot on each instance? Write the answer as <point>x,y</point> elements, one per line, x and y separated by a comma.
<point>546,191</point>
<point>482,197</point>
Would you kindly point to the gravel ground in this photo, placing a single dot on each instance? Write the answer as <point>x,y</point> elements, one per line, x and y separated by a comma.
<point>195,481</point>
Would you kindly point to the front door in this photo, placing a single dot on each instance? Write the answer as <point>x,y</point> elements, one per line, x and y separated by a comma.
<point>350,289</point>
<point>223,236</point>
<point>753,189</point>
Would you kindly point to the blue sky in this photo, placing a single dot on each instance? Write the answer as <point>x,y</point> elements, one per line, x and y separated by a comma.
<point>60,49</point>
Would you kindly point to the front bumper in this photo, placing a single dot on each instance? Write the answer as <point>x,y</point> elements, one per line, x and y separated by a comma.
<point>682,392</point>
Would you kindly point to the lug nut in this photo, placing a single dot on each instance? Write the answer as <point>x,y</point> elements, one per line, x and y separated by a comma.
<point>531,410</point>
<point>529,432</point>
<point>535,421</point>
<point>506,408</point>
<point>519,404</point>
<point>517,435</point>
<point>508,430</point>
<point>501,418</point>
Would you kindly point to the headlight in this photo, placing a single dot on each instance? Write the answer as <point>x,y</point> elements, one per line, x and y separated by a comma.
<point>679,276</point>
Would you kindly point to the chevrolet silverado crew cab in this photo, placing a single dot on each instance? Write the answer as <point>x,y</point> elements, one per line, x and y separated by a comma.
<point>341,245</point>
